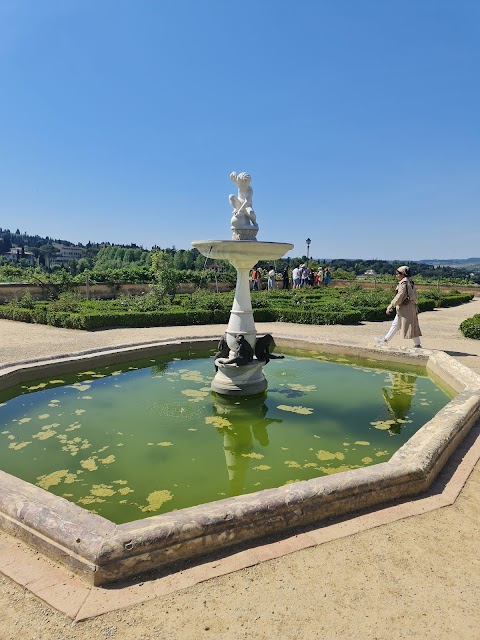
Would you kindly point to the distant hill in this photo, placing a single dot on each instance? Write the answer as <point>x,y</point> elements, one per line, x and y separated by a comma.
<point>463,263</point>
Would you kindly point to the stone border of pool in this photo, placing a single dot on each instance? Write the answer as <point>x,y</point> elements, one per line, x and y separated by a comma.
<point>102,552</point>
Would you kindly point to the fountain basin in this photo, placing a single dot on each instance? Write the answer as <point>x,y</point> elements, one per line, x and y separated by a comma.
<point>103,551</point>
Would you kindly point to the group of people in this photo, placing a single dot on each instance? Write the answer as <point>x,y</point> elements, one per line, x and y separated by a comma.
<point>257,278</point>
<point>302,276</point>
<point>404,301</point>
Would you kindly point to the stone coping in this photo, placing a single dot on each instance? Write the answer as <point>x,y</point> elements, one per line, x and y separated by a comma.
<point>102,552</point>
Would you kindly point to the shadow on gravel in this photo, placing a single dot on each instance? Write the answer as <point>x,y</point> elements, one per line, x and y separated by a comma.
<point>460,353</point>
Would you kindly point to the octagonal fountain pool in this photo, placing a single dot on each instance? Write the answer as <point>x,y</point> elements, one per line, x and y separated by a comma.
<point>117,462</point>
<point>149,437</point>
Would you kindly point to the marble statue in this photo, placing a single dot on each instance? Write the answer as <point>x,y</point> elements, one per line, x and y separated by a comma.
<point>244,220</point>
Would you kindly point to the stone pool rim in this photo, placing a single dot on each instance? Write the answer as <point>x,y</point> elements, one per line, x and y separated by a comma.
<point>102,552</point>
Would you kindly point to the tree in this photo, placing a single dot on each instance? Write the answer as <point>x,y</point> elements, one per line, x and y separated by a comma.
<point>179,261</point>
<point>5,243</point>
<point>165,281</point>
<point>48,252</point>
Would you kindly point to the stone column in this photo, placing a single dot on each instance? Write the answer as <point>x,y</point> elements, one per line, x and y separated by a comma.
<point>241,316</point>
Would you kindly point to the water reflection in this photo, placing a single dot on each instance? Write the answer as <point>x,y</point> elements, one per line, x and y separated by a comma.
<point>398,397</point>
<point>249,422</point>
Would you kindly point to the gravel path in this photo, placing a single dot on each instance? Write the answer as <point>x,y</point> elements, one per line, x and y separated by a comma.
<point>414,578</point>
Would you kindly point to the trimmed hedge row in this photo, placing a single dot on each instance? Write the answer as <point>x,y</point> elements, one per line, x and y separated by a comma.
<point>316,316</point>
<point>471,327</point>
<point>303,314</point>
<point>99,319</point>
<point>455,300</point>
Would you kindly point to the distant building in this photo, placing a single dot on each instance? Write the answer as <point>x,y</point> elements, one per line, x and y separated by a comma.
<point>15,254</point>
<point>219,268</point>
<point>66,254</point>
<point>370,273</point>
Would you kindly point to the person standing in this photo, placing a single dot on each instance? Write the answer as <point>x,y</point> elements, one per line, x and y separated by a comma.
<point>286,279</point>
<point>327,276</point>
<point>405,303</point>
<point>319,276</point>
<point>310,277</point>
<point>303,275</point>
<point>271,278</point>
<point>255,279</point>
<point>296,277</point>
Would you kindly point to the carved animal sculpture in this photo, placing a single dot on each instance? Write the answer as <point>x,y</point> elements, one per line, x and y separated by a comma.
<point>264,347</point>
<point>243,353</point>
<point>222,350</point>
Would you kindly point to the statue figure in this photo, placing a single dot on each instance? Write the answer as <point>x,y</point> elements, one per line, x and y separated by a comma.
<point>223,349</point>
<point>264,347</point>
<point>243,353</point>
<point>244,220</point>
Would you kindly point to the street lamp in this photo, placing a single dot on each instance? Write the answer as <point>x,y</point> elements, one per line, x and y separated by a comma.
<point>308,249</point>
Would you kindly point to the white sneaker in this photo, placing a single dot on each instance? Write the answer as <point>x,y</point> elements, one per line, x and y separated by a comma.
<point>381,340</point>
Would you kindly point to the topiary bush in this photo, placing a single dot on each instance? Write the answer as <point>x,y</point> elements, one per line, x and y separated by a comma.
<point>471,327</point>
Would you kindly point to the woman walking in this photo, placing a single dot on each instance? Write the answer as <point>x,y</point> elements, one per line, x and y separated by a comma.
<point>405,303</point>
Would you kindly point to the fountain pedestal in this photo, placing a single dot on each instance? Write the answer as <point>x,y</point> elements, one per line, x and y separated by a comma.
<point>232,380</point>
<point>245,379</point>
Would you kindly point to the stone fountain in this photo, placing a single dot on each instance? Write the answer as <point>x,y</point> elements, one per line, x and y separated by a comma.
<point>241,355</point>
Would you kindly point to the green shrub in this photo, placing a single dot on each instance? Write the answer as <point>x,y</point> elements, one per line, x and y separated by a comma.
<point>311,316</point>
<point>471,327</point>
<point>374,314</point>
<point>426,305</point>
<point>265,315</point>
<point>67,302</point>
<point>455,300</point>
<point>14,312</point>
<point>154,319</point>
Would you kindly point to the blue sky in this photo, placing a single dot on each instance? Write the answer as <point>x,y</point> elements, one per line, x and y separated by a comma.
<point>359,122</point>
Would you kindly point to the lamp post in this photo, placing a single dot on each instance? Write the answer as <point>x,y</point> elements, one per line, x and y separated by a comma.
<point>308,241</point>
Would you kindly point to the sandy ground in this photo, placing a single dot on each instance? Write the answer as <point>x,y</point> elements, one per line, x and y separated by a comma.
<point>414,578</point>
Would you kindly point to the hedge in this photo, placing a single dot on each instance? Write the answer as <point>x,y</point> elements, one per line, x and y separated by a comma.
<point>306,313</point>
<point>426,305</point>
<point>312,316</point>
<point>97,320</point>
<point>471,327</point>
<point>455,300</point>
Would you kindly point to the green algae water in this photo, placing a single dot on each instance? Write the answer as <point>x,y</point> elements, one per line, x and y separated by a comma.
<point>148,437</point>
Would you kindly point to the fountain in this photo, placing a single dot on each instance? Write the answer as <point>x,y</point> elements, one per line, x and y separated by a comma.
<point>241,356</point>
<point>103,551</point>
